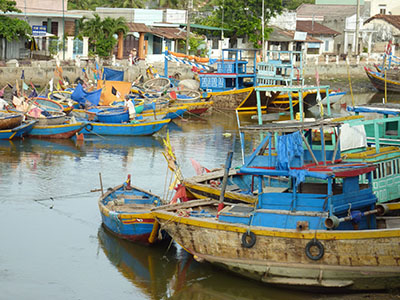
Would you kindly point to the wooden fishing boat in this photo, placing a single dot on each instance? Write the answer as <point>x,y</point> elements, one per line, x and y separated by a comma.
<point>10,119</point>
<point>336,239</point>
<point>377,141</point>
<point>172,112</point>
<point>391,84</point>
<point>113,115</point>
<point>137,128</point>
<point>18,131</point>
<point>51,118</point>
<point>61,131</point>
<point>53,105</point>
<point>125,211</point>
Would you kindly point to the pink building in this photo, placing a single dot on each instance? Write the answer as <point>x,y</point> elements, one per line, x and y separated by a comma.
<point>42,6</point>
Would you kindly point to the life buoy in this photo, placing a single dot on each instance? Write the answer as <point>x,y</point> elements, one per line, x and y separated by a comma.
<point>319,246</point>
<point>248,239</point>
<point>89,127</point>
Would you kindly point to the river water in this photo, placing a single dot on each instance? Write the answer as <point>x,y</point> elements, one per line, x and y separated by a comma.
<point>54,247</point>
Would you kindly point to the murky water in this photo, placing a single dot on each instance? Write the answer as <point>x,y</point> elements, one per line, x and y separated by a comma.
<point>52,243</point>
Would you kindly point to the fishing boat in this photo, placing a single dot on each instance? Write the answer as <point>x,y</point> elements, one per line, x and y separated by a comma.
<point>17,132</point>
<point>137,128</point>
<point>10,120</point>
<point>384,81</point>
<point>46,118</point>
<point>125,211</point>
<point>60,131</point>
<point>373,136</point>
<point>337,234</point>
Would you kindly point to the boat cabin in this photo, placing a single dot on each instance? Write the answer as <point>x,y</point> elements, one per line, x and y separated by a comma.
<point>232,72</point>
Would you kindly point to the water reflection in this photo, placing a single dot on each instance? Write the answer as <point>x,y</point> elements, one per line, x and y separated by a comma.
<point>169,272</point>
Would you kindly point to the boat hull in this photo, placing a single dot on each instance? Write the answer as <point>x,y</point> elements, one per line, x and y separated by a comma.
<point>379,82</point>
<point>63,131</point>
<point>353,260</point>
<point>17,132</point>
<point>138,129</point>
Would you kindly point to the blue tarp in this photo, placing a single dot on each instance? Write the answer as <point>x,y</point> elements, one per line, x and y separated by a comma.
<point>288,147</point>
<point>113,75</point>
<point>81,96</point>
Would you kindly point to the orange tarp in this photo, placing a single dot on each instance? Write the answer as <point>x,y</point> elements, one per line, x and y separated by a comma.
<point>107,97</point>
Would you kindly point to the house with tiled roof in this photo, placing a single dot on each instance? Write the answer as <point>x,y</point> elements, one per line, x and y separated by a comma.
<point>384,28</point>
<point>320,32</point>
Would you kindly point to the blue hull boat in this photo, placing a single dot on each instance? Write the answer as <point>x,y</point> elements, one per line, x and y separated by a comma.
<point>17,132</point>
<point>125,211</point>
<point>63,131</point>
<point>129,129</point>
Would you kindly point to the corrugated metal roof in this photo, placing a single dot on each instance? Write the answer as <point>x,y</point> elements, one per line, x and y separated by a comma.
<point>319,10</point>
<point>172,33</point>
<point>316,28</point>
<point>280,35</point>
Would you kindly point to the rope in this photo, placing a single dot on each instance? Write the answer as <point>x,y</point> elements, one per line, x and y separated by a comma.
<point>62,196</point>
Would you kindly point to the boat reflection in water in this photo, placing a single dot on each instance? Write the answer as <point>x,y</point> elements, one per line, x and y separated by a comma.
<point>168,272</point>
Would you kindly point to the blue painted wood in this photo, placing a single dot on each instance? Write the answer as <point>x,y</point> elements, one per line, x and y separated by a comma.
<point>17,132</point>
<point>135,129</point>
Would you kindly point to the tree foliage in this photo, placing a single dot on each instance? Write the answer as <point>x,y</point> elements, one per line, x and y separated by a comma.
<point>92,4</point>
<point>100,33</point>
<point>293,4</point>
<point>12,28</point>
<point>243,18</point>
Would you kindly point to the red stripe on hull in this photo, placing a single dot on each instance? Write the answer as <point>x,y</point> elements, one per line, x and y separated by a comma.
<point>64,135</point>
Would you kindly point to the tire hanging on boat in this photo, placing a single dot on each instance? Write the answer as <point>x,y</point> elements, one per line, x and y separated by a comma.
<point>89,127</point>
<point>319,246</point>
<point>245,239</point>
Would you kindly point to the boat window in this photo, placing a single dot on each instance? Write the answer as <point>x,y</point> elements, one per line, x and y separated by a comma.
<point>382,170</point>
<point>388,168</point>
<point>397,167</point>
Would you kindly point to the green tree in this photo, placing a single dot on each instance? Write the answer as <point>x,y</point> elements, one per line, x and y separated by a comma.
<point>243,18</point>
<point>293,4</point>
<point>12,28</point>
<point>101,33</point>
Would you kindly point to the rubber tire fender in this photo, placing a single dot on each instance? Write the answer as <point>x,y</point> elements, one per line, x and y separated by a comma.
<point>89,126</point>
<point>320,247</point>
<point>251,243</point>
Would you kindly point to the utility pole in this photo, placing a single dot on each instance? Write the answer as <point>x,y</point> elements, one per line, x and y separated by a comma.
<point>263,29</point>
<point>189,7</point>
<point>63,37</point>
<point>357,26</point>
<point>222,31</point>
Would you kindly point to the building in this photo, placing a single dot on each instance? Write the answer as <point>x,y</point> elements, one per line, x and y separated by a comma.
<point>320,32</point>
<point>384,28</point>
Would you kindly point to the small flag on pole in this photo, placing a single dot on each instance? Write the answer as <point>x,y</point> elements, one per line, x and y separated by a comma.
<point>23,75</point>
<point>24,86</point>
<point>115,92</point>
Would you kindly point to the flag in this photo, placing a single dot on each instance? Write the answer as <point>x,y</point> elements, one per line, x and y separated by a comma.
<point>51,85</point>
<point>24,85</point>
<point>2,91</point>
<point>114,91</point>
<point>23,75</point>
<point>33,94</point>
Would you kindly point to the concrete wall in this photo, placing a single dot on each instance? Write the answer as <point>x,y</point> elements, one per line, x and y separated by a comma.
<point>392,6</point>
<point>51,6</point>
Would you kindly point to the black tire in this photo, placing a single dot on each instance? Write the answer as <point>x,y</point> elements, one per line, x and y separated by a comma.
<point>248,239</point>
<point>320,247</point>
<point>89,127</point>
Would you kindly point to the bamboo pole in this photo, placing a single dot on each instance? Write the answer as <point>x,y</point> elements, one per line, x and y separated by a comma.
<point>385,99</point>
<point>348,75</point>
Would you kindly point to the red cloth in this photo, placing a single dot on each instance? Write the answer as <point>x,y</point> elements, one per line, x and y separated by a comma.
<point>180,194</point>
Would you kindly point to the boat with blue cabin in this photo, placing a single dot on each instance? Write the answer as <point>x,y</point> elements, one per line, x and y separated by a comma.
<point>327,233</point>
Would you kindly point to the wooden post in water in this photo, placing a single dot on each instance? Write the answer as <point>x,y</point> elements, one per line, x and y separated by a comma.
<point>101,185</point>
<point>228,164</point>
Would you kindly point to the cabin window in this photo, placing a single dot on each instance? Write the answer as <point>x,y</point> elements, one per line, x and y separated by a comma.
<point>375,174</point>
<point>397,171</point>
<point>388,168</point>
<point>382,170</point>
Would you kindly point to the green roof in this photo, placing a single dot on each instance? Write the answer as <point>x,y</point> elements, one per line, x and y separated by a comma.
<point>198,26</point>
